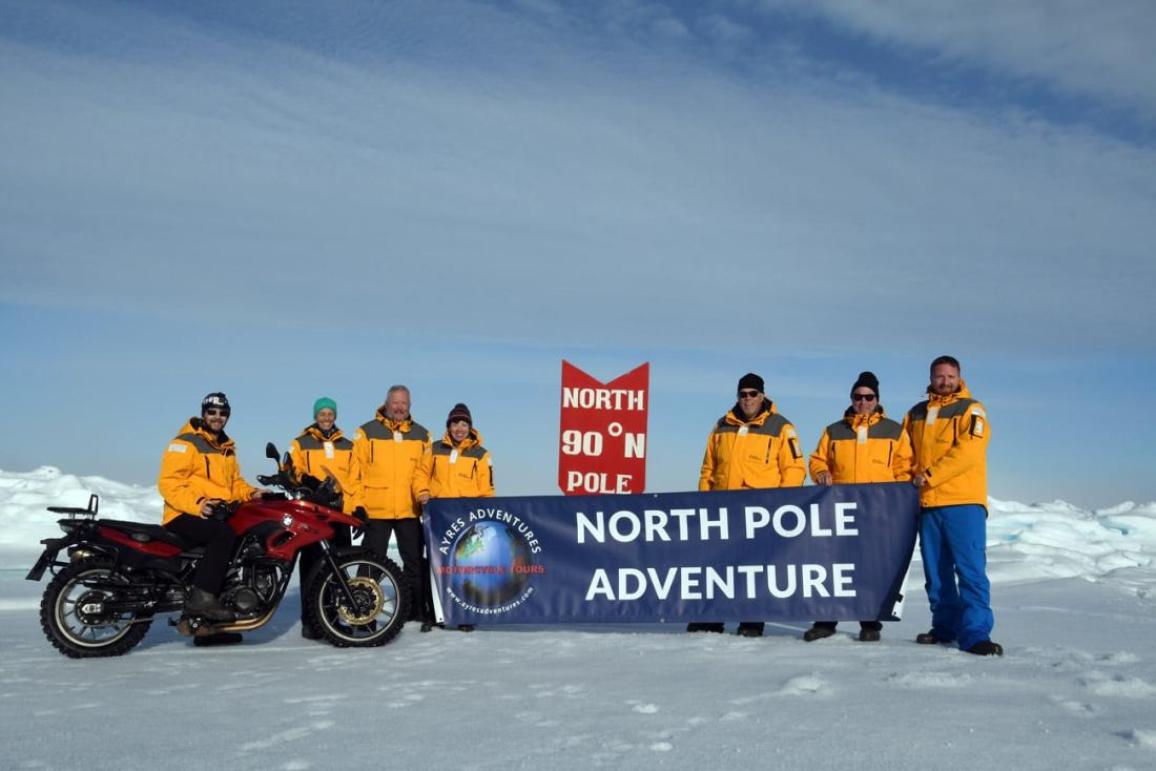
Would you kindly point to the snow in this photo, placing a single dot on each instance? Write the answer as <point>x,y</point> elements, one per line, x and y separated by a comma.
<point>1072,592</point>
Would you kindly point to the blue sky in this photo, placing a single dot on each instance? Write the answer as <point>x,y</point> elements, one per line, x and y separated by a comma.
<point>284,200</point>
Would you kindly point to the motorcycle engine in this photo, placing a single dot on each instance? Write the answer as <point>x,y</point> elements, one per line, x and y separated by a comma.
<point>244,600</point>
<point>251,589</point>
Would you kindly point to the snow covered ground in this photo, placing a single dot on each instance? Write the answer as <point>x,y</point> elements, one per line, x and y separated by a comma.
<point>1075,608</point>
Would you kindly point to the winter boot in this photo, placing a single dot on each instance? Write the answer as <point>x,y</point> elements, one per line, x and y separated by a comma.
<point>818,631</point>
<point>929,638</point>
<point>201,603</point>
<point>217,638</point>
<point>986,648</point>
<point>750,629</point>
<point>310,632</point>
<point>869,635</point>
<point>701,626</point>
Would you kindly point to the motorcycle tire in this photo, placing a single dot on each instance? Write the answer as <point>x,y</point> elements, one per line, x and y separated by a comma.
<point>71,617</point>
<point>383,601</point>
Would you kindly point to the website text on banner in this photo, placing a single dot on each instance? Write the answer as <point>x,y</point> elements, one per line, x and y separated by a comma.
<point>602,435</point>
<point>787,554</point>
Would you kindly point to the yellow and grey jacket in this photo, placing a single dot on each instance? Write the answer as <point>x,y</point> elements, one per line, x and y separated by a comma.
<point>759,453</point>
<point>317,455</point>
<point>387,457</point>
<point>197,467</point>
<point>464,471</point>
<point>949,436</point>
<point>863,448</point>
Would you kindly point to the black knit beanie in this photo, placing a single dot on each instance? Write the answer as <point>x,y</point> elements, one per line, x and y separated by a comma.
<point>751,380</point>
<point>867,380</point>
<point>460,412</point>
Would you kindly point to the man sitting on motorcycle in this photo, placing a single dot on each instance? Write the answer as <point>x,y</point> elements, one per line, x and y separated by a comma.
<point>199,472</point>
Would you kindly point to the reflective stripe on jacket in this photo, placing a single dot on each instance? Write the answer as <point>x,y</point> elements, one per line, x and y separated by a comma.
<point>197,467</point>
<point>464,471</point>
<point>386,456</point>
<point>762,452</point>
<point>317,455</point>
<point>949,436</point>
<point>863,448</point>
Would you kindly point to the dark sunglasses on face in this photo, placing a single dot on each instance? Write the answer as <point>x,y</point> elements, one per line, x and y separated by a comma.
<point>748,394</point>
<point>214,413</point>
<point>863,397</point>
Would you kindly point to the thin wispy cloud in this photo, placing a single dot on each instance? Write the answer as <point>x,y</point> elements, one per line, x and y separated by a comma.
<point>568,192</point>
<point>717,185</point>
<point>1099,50</point>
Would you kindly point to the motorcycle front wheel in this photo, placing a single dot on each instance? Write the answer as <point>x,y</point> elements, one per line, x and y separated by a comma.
<point>379,607</point>
<point>76,616</point>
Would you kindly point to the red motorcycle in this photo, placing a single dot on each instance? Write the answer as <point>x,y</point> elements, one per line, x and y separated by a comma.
<point>118,575</point>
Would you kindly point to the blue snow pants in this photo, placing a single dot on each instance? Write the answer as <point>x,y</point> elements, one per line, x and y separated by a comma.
<point>952,542</point>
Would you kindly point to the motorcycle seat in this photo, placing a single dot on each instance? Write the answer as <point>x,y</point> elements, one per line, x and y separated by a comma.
<point>145,533</point>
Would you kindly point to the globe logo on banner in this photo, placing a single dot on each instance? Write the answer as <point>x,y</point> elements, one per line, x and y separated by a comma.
<point>493,564</point>
<point>602,440</point>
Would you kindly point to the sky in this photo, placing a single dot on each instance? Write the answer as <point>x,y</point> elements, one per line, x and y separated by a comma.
<point>283,200</point>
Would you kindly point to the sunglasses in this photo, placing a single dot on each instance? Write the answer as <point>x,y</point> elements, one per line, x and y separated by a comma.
<point>748,394</point>
<point>215,413</point>
<point>863,397</point>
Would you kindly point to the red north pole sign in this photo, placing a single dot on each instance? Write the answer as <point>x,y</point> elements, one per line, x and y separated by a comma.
<point>602,441</point>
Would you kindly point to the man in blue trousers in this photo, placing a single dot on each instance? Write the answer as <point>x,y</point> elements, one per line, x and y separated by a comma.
<point>949,435</point>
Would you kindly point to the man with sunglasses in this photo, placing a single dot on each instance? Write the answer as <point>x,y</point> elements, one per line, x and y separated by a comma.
<point>949,435</point>
<point>752,446</point>
<point>865,446</point>
<point>199,471</point>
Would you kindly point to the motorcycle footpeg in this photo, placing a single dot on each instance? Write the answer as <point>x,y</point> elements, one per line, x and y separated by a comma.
<point>186,627</point>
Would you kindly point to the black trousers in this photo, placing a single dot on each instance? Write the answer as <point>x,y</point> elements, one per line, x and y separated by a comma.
<point>414,567</point>
<point>218,539</point>
<point>311,555</point>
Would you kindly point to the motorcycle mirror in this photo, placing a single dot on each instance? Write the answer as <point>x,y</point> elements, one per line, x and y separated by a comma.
<point>271,451</point>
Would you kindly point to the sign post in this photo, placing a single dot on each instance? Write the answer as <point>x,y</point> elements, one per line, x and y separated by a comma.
<point>602,439</point>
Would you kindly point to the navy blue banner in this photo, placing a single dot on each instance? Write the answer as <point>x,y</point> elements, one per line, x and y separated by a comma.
<point>791,554</point>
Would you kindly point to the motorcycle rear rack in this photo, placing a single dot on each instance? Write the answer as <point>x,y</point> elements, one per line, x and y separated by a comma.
<point>72,511</point>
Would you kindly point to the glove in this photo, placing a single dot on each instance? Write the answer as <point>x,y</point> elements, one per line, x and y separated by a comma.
<point>221,511</point>
<point>362,514</point>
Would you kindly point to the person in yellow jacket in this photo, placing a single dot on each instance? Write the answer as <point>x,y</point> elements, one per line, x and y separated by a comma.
<point>752,446</point>
<point>320,451</point>
<point>388,453</point>
<point>458,466</point>
<point>865,446</point>
<point>949,435</point>
<point>199,470</point>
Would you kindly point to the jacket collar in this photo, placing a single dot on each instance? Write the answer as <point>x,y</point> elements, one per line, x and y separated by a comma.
<point>394,425</point>
<point>197,426</point>
<point>938,401</point>
<point>735,416</point>
<point>473,440</point>
<point>855,419</point>
<point>316,432</point>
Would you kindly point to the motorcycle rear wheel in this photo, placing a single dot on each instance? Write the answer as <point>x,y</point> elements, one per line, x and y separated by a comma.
<point>382,601</point>
<point>73,618</point>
